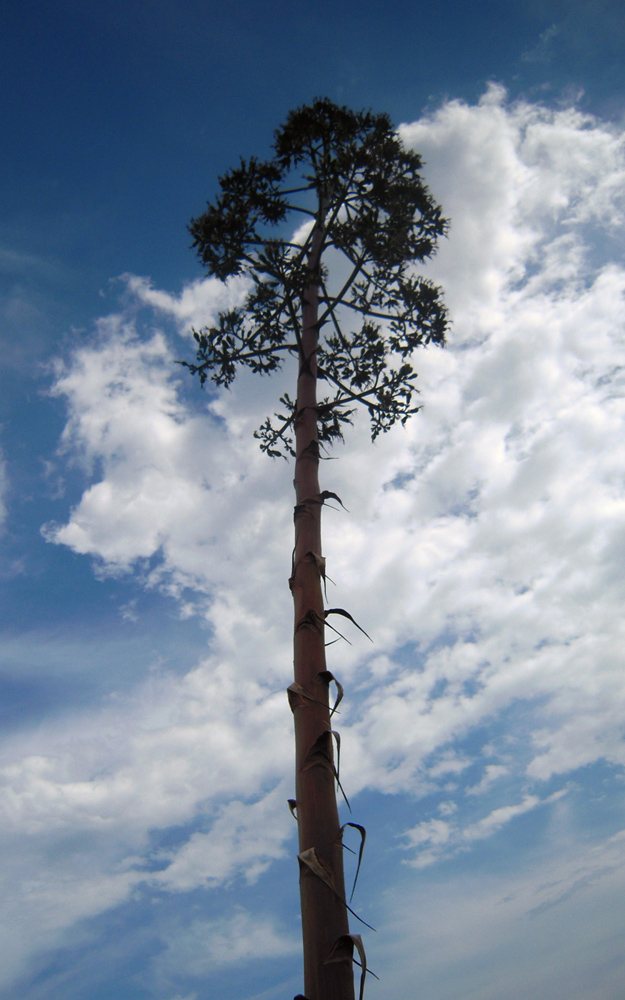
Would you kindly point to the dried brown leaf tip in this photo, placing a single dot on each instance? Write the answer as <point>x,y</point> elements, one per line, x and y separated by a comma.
<point>312,620</point>
<point>320,563</point>
<point>308,861</point>
<point>323,497</point>
<point>320,755</point>
<point>343,951</point>
<point>337,738</point>
<point>313,450</point>
<point>328,677</point>
<point>345,614</point>
<point>298,697</point>
<point>363,837</point>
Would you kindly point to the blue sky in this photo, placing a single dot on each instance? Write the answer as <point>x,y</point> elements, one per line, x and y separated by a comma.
<point>146,748</point>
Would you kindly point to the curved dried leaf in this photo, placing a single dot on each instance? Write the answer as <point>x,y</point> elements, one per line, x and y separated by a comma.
<point>311,861</point>
<point>343,951</point>
<point>320,755</point>
<point>346,614</point>
<point>298,697</point>
<point>295,694</point>
<point>327,495</point>
<point>363,837</point>
<point>337,736</point>
<point>320,563</point>
<point>337,632</point>
<point>328,676</point>
<point>322,497</point>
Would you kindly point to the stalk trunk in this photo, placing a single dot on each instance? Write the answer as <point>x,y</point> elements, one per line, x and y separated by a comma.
<point>324,913</point>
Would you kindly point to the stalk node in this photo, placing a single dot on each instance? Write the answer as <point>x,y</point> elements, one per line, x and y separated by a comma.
<point>310,620</point>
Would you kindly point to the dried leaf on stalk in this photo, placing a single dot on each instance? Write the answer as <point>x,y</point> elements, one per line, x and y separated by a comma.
<point>346,614</point>
<point>320,563</point>
<point>297,696</point>
<point>327,624</point>
<point>310,860</point>
<point>363,837</point>
<point>329,677</point>
<point>320,755</point>
<point>337,736</point>
<point>322,497</point>
<point>327,495</point>
<point>343,951</point>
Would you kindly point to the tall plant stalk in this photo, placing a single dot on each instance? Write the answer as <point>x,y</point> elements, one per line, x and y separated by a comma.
<point>369,206</point>
<point>324,914</point>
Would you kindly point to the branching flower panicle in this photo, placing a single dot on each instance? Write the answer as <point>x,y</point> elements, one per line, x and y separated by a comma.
<point>349,173</point>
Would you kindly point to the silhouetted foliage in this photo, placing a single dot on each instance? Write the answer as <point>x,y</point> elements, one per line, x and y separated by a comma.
<point>378,220</point>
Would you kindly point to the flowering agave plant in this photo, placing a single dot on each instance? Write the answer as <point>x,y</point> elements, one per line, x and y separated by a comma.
<point>343,299</point>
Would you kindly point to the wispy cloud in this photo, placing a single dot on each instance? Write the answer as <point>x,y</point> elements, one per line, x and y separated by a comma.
<point>438,838</point>
<point>542,51</point>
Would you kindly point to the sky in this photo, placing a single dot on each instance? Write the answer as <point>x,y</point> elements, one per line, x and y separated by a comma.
<point>145,644</point>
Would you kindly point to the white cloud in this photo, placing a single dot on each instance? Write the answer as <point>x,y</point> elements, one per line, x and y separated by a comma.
<point>437,838</point>
<point>506,534</point>
<point>492,773</point>
<point>188,489</point>
<point>552,926</point>
<point>80,798</point>
<point>197,305</point>
<point>142,763</point>
<point>243,838</point>
<point>206,945</point>
<point>489,533</point>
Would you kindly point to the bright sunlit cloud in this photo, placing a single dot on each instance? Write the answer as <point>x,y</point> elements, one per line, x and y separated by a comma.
<point>483,552</point>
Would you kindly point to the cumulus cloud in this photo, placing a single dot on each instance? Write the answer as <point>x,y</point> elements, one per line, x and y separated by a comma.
<point>197,305</point>
<point>244,838</point>
<point>206,944</point>
<point>483,549</point>
<point>182,748</point>
<point>184,498</point>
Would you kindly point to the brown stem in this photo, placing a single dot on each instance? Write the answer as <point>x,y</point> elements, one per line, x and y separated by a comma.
<point>324,913</point>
